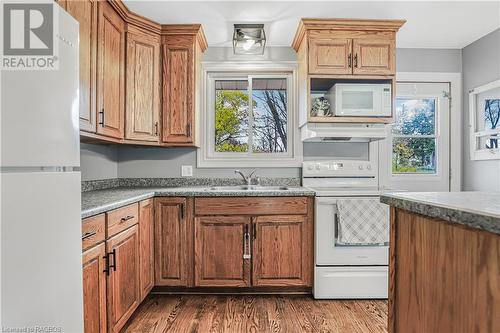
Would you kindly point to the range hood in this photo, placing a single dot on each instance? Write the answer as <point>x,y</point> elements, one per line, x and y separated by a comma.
<point>328,132</point>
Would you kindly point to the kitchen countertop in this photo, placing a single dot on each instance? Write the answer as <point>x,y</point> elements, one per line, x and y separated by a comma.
<point>478,210</point>
<point>100,201</point>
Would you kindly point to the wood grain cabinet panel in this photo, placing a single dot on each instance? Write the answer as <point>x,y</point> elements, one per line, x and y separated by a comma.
<point>85,12</point>
<point>143,88</point>
<point>146,246</point>
<point>110,72</point>
<point>173,240</point>
<point>330,55</point>
<point>94,290</point>
<point>222,251</point>
<point>281,251</point>
<point>93,230</point>
<point>374,56</point>
<point>178,90</point>
<point>123,280</point>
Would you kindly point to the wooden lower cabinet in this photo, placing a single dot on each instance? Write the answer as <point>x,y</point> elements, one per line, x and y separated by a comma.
<point>123,279</point>
<point>94,289</point>
<point>222,251</point>
<point>146,247</point>
<point>173,242</point>
<point>281,251</point>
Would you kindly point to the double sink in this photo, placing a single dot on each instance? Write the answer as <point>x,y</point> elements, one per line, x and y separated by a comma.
<point>248,188</point>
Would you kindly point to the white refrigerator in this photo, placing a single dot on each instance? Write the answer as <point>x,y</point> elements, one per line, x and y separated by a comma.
<point>41,272</point>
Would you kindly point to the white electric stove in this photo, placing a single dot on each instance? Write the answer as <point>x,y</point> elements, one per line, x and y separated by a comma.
<point>342,271</point>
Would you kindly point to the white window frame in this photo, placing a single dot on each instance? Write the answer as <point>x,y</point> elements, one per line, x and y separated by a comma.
<point>207,157</point>
<point>480,154</point>
<point>436,136</point>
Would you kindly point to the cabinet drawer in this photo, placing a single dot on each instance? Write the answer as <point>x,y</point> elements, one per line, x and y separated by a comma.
<point>122,218</point>
<point>93,231</point>
<point>251,206</point>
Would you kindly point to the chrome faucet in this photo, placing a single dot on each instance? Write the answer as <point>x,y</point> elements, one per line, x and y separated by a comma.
<point>250,179</point>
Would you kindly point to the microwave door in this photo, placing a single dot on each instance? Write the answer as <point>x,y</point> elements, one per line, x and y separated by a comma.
<point>357,102</point>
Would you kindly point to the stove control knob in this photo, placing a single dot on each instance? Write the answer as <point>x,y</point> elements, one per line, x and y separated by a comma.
<point>318,167</point>
<point>368,167</point>
<point>310,167</point>
<point>360,167</point>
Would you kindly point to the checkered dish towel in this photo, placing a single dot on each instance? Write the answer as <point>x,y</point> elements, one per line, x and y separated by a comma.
<point>362,221</point>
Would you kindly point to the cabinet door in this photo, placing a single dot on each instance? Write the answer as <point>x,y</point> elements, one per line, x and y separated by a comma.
<point>329,55</point>
<point>143,88</point>
<point>178,90</point>
<point>222,251</point>
<point>146,245</point>
<point>110,71</point>
<point>94,289</point>
<point>282,249</point>
<point>85,12</point>
<point>374,56</point>
<point>173,241</point>
<point>123,280</point>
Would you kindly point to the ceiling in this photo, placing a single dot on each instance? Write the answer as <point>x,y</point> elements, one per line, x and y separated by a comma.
<point>433,24</point>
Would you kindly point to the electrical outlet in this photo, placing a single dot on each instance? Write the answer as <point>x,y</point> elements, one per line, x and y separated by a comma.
<point>186,170</point>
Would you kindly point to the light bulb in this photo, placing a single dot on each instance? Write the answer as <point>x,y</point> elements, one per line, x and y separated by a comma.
<point>248,44</point>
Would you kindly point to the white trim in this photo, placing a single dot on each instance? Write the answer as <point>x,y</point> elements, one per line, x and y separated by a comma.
<point>482,154</point>
<point>455,80</point>
<point>293,158</point>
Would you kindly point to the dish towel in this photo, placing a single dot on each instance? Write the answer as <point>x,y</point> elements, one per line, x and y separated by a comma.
<point>362,221</point>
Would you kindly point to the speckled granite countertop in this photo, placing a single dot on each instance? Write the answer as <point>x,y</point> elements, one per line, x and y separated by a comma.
<point>479,210</point>
<point>99,201</point>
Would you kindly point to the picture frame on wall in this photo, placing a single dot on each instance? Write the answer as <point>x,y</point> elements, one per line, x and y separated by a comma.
<point>484,121</point>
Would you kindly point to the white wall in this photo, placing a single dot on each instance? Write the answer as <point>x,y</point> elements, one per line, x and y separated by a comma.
<point>101,162</point>
<point>481,64</point>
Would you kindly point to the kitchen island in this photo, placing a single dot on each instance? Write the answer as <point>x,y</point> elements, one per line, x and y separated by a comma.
<point>444,265</point>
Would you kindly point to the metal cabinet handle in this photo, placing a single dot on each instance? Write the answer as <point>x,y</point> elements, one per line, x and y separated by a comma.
<point>126,218</point>
<point>349,60</point>
<point>356,60</point>
<point>106,265</point>
<point>156,129</point>
<point>181,212</point>
<point>246,244</point>
<point>188,129</point>
<point>88,234</point>
<point>254,231</point>
<point>114,260</point>
<point>101,122</point>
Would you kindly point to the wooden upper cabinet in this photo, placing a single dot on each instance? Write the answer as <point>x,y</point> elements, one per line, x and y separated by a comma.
<point>173,236</point>
<point>330,55</point>
<point>146,246</point>
<point>282,251</point>
<point>183,46</point>
<point>222,251</point>
<point>85,12</point>
<point>123,280</point>
<point>94,290</point>
<point>348,46</point>
<point>143,87</point>
<point>110,71</point>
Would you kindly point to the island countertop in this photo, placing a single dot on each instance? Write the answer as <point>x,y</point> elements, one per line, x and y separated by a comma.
<point>478,210</point>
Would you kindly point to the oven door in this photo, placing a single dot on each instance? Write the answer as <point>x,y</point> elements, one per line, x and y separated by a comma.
<point>328,252</point>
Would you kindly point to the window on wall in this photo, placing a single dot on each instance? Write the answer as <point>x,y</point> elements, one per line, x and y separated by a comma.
<point>414,136</point>
<point>249,118</point>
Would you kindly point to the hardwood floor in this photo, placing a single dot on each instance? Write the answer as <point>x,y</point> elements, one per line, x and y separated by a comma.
<point>288,314</point>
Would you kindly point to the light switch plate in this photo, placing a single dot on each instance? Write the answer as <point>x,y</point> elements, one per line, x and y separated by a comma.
<point>186,170</point>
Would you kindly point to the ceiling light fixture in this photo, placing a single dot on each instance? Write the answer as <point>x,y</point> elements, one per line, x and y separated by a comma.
<point>249,39</point>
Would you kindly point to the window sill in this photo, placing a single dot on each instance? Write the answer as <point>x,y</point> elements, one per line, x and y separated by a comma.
<point>206,162</point>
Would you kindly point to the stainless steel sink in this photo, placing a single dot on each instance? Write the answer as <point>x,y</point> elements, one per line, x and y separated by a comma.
<point>248,188</point>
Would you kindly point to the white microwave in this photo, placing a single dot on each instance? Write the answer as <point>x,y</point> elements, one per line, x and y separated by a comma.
<point>361,99</point>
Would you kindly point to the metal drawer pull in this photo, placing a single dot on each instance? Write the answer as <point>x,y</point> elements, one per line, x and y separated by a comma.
<point>126,218</point>
<point>246,244</point>
<point>114,259</point>
<point>88,234</point>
